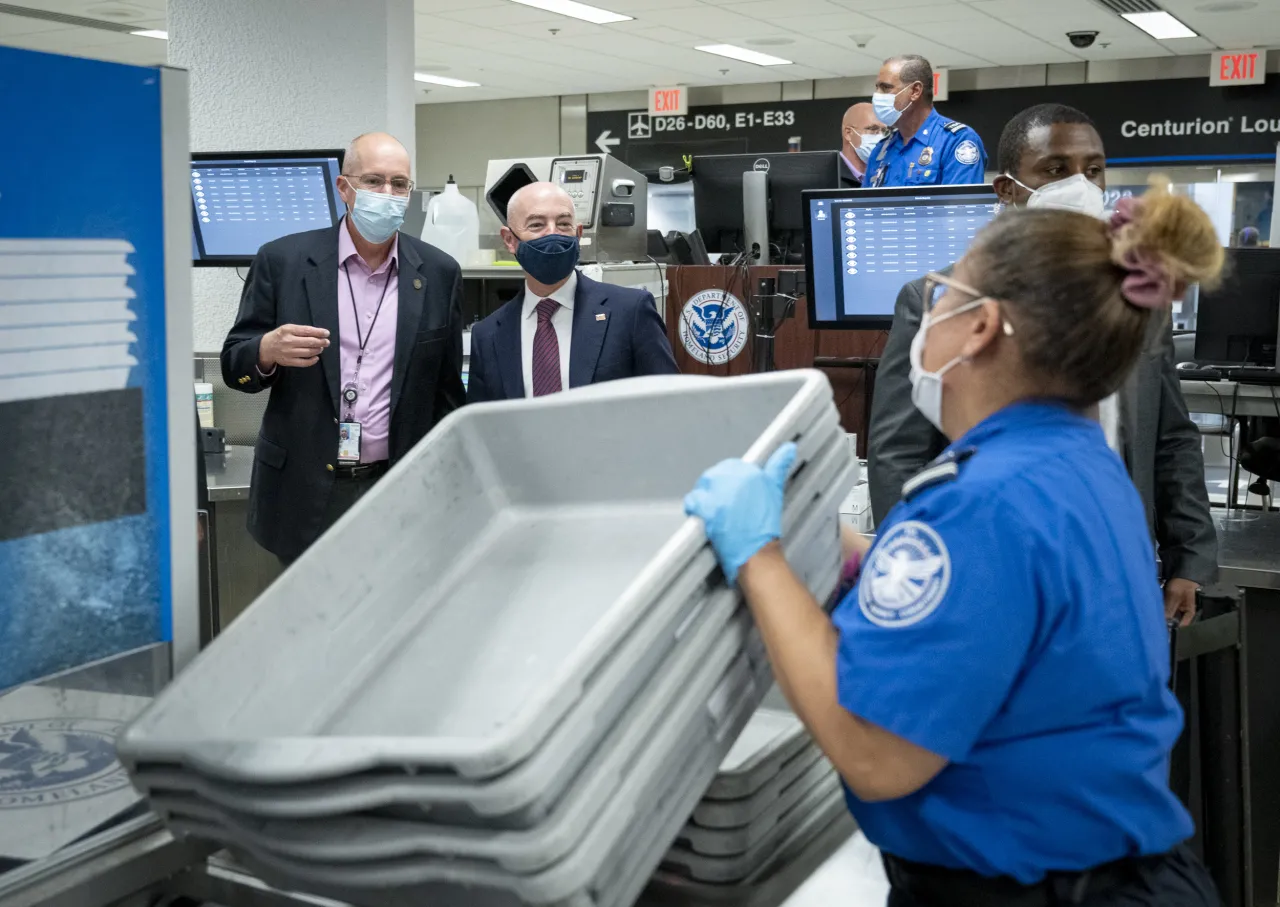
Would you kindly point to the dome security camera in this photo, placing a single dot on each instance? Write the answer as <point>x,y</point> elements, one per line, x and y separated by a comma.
<point>1082,38</point>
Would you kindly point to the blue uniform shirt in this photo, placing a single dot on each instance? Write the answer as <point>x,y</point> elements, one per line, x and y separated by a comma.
<point>1009,619</point>
<point>942,153</point>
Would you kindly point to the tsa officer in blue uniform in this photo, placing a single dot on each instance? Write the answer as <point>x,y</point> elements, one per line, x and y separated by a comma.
<point>994,690</point>
<point>924,148</point>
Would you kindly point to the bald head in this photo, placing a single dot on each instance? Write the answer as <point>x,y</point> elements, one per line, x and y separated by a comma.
<point>375,150</point>
<point>534,207</point>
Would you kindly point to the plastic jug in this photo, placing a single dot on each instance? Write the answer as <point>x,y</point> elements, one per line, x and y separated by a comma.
<point>453,224</point>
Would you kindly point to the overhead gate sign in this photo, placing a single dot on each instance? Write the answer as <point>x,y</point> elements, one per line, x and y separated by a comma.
<point>1167,120</point>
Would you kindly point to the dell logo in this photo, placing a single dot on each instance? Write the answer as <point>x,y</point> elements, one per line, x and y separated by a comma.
<point>761,165</point>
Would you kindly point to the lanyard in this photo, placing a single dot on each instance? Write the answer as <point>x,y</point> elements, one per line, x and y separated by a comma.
<point>351,392</point>
<point>364,341</point>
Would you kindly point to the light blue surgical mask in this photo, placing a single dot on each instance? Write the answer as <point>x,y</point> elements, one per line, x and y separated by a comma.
<point>882,102</point>
<point>868,144</point>
<point>377,216</point>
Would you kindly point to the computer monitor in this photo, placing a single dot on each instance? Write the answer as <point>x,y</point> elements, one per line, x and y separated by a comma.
<point>717,197</point>
<point>241,200</point>
<point>1239,322</point>
<point>862,245</point>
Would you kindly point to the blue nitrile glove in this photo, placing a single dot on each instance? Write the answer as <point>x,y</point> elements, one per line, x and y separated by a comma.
<point>742,506</point>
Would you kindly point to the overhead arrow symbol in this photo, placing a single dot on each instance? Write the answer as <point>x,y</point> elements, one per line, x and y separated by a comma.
<point>606,143</point>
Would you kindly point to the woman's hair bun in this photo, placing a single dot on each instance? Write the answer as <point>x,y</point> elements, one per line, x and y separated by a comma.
<point>1164,241</point>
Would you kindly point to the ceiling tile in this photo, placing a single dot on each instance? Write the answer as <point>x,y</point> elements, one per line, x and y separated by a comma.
<point>771,10</point>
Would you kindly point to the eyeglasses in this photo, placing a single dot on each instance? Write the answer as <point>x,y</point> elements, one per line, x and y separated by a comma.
<point>936,287</point>
<point>373,182</point>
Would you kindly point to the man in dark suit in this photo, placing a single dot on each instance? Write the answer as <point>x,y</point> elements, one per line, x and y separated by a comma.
<point>1147,422</point>
<point>565,330</point>
<point>357,330</point>
<point>860,133</point>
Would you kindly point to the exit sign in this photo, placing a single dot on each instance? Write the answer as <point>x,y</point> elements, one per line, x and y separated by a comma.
<point>1238,67</point>
<point>941,84</point>
<point>669,101</point>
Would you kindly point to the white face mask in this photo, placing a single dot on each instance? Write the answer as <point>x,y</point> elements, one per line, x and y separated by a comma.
<point>926,387</point>
<point>1075,193</point>
<point>868,144</point>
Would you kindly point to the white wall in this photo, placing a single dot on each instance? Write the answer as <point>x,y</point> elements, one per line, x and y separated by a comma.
<point>287,74</point>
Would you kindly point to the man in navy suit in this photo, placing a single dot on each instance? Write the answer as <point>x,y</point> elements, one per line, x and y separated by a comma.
<point>566,330</point>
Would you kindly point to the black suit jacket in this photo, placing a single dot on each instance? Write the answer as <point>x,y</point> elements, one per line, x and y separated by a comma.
<point>630,340</point>
<point>294,280</point>
<point>1161,445</point>
<point>848,179</point>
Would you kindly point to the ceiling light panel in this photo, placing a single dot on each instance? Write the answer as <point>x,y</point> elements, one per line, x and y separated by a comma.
<point>733,52</point>
<point>572,8</point>
<point>1160,25</point>
<point>433,79</point>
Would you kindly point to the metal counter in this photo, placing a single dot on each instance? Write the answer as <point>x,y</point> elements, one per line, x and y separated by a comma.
<point>1249,549</point>
<point>229,474</point>
<point>1249,557</point>
<point>241,569</point>
<point>1227,398</point>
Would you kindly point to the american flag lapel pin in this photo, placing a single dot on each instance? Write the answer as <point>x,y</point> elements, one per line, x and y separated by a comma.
<point>601,317</point>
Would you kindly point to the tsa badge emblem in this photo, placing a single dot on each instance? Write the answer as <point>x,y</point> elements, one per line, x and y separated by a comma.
<point>926,157</point>
<point>967,153</point>
<point>906,577</point>
<point>58,760</point>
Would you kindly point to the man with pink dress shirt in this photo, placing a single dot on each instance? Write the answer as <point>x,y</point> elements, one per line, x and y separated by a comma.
<point>357,330</point>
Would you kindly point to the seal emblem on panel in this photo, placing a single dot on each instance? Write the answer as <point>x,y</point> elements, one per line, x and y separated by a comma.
<point>58,760</point>
<point>714,327</point>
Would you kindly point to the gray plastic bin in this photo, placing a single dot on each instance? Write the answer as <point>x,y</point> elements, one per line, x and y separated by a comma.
<point>771,738</point>
<point>736,813</point>
<point>769,886</point>
<point>480,569</point>
<point>728,842</point>
<point>365,838</point>
<point>523,796</point>
<point>809,816</point>
<point>597,874</point>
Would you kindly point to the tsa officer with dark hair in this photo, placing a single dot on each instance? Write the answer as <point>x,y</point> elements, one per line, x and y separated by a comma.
<point>924,148</point>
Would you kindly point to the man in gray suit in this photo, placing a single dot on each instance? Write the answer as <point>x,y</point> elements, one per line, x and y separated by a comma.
<point>1052,155</point>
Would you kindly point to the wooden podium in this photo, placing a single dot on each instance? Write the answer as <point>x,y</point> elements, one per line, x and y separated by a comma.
<point>850,355</point>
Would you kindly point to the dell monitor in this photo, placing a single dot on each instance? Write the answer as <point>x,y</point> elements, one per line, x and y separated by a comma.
<point>1238,323</point>
<point>717,197</point>
<point>241,200</point>
<point>862,245</point>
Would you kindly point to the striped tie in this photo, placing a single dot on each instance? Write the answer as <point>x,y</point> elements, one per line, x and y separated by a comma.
<point>546,352</point>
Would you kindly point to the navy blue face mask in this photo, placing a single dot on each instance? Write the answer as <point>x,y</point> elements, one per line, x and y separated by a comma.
<point>548,259</point>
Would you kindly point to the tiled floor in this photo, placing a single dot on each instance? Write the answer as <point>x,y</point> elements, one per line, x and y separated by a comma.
<point>853,877</point>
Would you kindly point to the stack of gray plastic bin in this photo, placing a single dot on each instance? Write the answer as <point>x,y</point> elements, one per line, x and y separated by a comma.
<point>774,800</point>
<point>509,674</point>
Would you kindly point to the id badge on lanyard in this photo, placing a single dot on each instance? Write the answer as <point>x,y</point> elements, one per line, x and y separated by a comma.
<point>348,443</point>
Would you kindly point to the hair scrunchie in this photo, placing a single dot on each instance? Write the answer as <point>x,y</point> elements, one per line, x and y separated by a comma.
<point>1148,285</point>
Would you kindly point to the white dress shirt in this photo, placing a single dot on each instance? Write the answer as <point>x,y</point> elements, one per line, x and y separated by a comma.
<point>1109,416</point>
<point>562,321</point>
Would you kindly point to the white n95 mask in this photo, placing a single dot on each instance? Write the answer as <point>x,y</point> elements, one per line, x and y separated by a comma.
<point>926,387</point>
<point>1075,193</point>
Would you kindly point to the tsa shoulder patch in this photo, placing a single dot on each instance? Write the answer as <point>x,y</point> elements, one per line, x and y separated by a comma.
<point>906,577</point>
<point>967,153</point>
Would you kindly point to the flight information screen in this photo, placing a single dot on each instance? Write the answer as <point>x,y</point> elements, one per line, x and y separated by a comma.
<point>863,245</point>
<point>238,204</point>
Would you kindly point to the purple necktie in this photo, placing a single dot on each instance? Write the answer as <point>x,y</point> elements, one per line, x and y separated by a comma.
<point>546,352</point>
